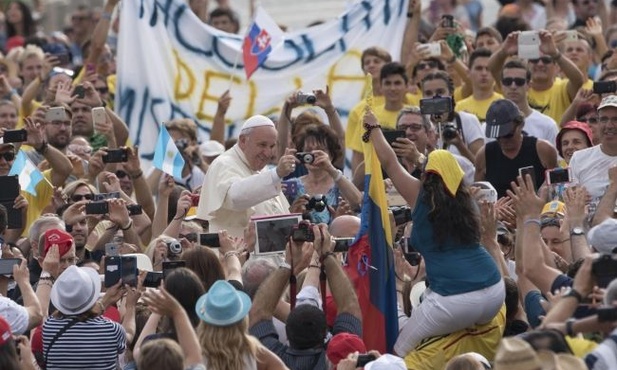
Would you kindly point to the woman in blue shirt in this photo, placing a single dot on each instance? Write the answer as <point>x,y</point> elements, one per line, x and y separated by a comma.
<point>466,287</point>
<point>322,178</point>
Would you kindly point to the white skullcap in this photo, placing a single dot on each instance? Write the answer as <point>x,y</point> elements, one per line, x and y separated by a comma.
<point>257,121</point>
<point>603,237</point>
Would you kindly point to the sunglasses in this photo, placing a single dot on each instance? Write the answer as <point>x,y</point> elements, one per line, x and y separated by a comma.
<point>192,237</point>
<point>507,81</point>
<point>544,60</point>
<point>102,90</point>
<point>508,136</point>
<point>78,197</point>
<point>426,65</point>
<point>549,221</point>
<point>121,174</point>
<point>8,156</point>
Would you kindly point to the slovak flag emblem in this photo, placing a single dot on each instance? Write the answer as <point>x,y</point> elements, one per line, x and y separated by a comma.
<point>263,37</point>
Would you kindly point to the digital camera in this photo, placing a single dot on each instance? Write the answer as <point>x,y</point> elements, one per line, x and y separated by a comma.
<point>174,247</point>
<point>305,98</point>
<point>449,131</point>
<point>402,215</point>
<point>317,202</point>
<point>305,157</point>
<point>303,232</point>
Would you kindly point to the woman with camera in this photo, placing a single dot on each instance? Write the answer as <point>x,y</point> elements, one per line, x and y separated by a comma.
<point>466,287</point>
<point>15,352</point>
<point>318,192</point>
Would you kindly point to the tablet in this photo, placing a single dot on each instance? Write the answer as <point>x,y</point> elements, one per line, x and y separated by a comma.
<point>273,232</point>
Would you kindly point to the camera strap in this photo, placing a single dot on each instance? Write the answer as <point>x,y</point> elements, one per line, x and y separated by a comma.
<point>459,126</point>
<point>322,286</point>
<point>293,287</point>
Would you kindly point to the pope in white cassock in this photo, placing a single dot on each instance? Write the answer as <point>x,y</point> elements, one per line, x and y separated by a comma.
<point>237,187</point>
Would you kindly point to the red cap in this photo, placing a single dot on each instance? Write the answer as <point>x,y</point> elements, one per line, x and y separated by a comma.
<point>342,344</point>
<point>574,125</point>
<point>63,239</point>
<point>5,331</point>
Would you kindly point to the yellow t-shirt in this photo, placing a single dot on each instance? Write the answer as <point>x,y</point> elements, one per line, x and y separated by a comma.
<point>554,101</point>
<point>477,107</point>
<point>36,204</point>
<point>353,132</point>
<point>386,118</point>
<point>434,353</point>
<point>458,94</point>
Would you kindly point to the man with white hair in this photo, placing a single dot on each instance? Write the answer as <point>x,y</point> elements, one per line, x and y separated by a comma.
<point>237,186</point>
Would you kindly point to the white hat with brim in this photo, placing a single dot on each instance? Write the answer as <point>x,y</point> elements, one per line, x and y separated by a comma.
<point>386,362</point>
<point>144,263</point>
<point>76,290</point>
<point>608,101</point>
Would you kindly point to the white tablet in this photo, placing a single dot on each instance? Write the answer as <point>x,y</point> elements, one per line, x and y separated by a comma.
<point>273,232</point>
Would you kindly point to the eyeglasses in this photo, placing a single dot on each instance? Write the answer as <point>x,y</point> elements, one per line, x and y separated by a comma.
<point>102,90</point>
<point>544,60</point>
<point>121,174</point>
<point>192,237</point>
<point>413,128</point>
<point>78,197</point>
<point>69,261</point>
<point>591,121</point>
<point>606,120</point>
<point>8,156</point>
<point>507,81</point>
<point>61,123</point>
<point>426,65</point>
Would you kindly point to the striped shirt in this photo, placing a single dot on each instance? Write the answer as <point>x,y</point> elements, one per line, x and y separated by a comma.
<point>92,344</point>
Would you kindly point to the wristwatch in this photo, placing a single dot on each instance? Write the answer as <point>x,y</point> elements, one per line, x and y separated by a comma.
<point>577,231</point>
<point>574,294</point>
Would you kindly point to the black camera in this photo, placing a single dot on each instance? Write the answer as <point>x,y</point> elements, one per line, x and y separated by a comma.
<point>305,157</point>
<point>342,244</point>
<point>607,314</point>
<point>317,202</point>
<point>302,232</point>
<point>604,269</point>
<point>174,247</point>
<point>305,98</point>
<point>116,156</point>
<point>365,359</point>
<point>411,255</point>
<point>449,131</point>
<point>402,215</point>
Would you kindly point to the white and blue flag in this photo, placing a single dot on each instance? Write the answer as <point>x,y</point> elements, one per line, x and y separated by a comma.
<point>29,175</point>
<point>167,157</point>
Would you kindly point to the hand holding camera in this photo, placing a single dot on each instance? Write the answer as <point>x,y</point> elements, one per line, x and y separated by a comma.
<point>299,205</point>
<point>323,100</point>
<point>118,213</point>
<point>185,202</point>
<point>547,43</point>
<point>323,241</point>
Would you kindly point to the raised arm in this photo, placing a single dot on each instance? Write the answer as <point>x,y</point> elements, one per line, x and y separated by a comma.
<point>569,69</point>
<point>61,166</point>
<point>575,199</point>
<point>412,29</point>
<point>21,274</point>
<point>324,102</point>
<point>407,185</point>
<point>99,35</point>
<point>497,60</point>
<point>218,123</point>
<point>143,195</point>
<point>607,203</point>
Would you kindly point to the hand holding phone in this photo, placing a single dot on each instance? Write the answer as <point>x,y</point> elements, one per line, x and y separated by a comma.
<point>529,45</point>
<point>15,136</point>
<point>529,170</point>
<point>116,156</point>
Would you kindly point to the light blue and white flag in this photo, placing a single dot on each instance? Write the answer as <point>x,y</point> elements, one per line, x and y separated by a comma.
<point>29,175</point>
<point>167,157</point>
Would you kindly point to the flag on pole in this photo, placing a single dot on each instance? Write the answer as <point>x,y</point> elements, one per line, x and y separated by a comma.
<point>167,157</point>
<point>263,36</point>
<point>29,175</point>
<point>370,258</point>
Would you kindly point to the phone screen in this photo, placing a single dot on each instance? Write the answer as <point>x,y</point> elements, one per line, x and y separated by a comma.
<point>113,272</point>
<point>392,135</point>
<point>210,240</point>
<point>169,266</point>
<point>129,270</point>
<point>529,170</point>
<point>6,265</point>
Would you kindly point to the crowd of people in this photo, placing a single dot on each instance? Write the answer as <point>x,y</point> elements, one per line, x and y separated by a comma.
<point>503,165</point>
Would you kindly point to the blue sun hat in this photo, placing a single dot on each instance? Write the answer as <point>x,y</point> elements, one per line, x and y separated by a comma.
<point>223,305</point>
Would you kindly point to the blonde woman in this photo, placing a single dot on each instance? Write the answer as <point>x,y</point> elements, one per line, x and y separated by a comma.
<point>223,332</point>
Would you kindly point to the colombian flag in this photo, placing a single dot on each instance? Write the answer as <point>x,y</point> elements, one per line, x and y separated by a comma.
<point>371,262</point>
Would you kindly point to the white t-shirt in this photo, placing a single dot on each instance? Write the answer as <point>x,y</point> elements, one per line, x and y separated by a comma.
<point>15,314</point>
<point>472,131</point>
<point>541,126</point>
<point>590,169</point>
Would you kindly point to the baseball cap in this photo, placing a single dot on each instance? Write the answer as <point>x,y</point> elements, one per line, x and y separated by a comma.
<point>603,236</point>
<point>500,118</point>
<point>342,344</point>
<point>211,148</point>
<point>60,237</point>
<point>574,125</point>
<point>608,101</point>
<point>554,208</point>
<point>5,331</point>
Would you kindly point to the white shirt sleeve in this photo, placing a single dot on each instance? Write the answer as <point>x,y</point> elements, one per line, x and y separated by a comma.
<point>15,315</point>
<point>250,191</point>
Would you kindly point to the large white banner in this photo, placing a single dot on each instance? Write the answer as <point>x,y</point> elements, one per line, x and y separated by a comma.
<point>172,65</point>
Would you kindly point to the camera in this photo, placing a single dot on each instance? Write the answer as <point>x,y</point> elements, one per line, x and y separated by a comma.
<point>302,232</point>
<point>317,202</point>
<point>447,21</point>
<point>182,144</point>
<point>116,156</point>
<point>174,247</point>
<point>449,131</point>
<point>607,314</point>
<point>402,215</point>
<point>411,255</point>
<point>342,244</point>
<point>305,157</point>
<point>604,269</point>
<point>305,98</point>
<point>365,359</point>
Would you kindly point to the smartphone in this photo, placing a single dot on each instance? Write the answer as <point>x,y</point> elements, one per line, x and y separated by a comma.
<point>392,135</point>
<point>105,196</point>
<point>434,49</point>
<point>169,266</point>
<point>487,192</point>
<point>111,249</point>
<point>447,21</point>
<point>291,189</point>
<point>364,359</point>
<point>116,156</point>
<point>80,91</point>
<point>134,209</point>
<point>15,136</point>
<point>605,87</point>
<point>607,314</point>
<point>558,176</point>
<point>153,279</point>
<point>129,270</point>
<point>55,114</point>
<point>113,270</point>
<point>571,35</point>
<point>63,58</point>
<point>98,116</point>
<point>97,208</point>
<point>529,170</point>
<point>6,265</point>
<point>342,244</point>
<point>210,240</point>
<point>529,45</point>
<point>195,200</point>
<point>436,105</point>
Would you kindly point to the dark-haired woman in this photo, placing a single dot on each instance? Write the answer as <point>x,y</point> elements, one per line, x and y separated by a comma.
<point>15,352</point>
<point>19,20</point>
<point>466,287</point>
